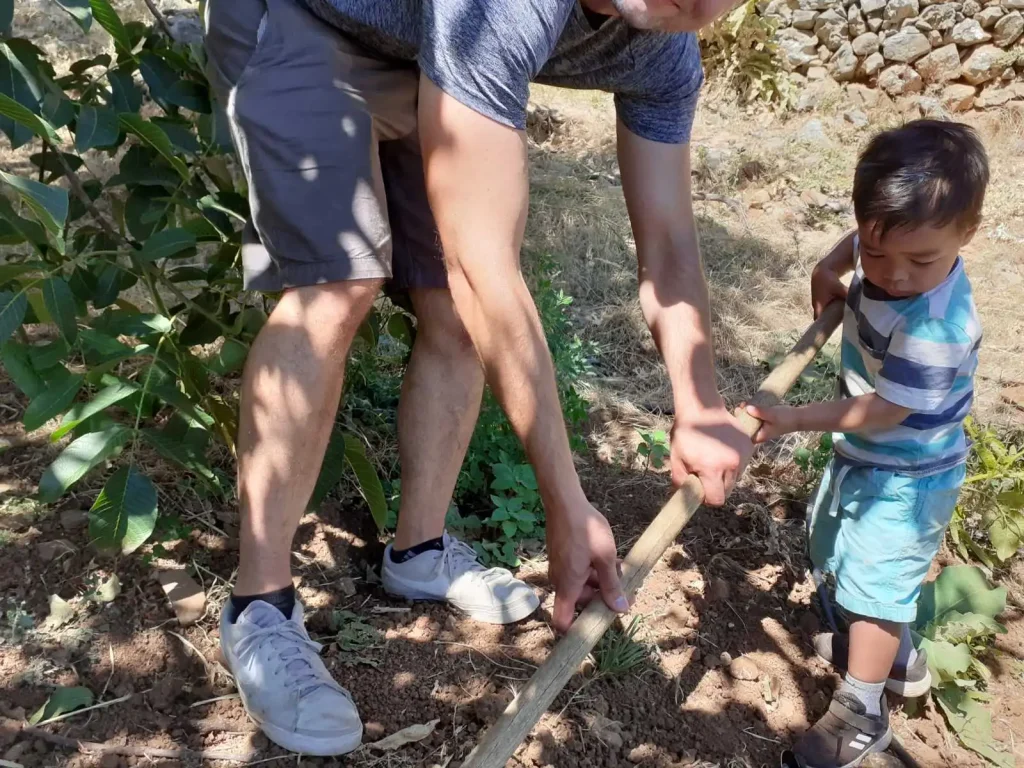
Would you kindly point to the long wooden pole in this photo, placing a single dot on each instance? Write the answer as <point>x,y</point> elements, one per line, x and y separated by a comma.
<point>502,738</point>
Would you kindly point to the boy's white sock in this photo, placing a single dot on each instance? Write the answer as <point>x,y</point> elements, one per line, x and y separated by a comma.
<point>868,694</point>
<point>907,654</point>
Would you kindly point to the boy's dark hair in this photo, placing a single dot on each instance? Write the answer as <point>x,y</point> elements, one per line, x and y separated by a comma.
<point>927,172</point>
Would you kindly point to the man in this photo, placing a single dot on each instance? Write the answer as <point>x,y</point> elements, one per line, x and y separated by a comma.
<point>359,125</point>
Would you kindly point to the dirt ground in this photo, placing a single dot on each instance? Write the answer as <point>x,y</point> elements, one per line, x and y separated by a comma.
<point>775,194</point>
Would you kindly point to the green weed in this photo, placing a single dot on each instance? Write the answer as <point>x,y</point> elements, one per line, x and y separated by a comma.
<point>621,652</point>
<point>654,449</point>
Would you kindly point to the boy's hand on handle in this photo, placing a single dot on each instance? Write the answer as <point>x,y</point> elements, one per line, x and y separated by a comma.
<point>826,287</point>
<point>582,562</point>
<point>775,421</point>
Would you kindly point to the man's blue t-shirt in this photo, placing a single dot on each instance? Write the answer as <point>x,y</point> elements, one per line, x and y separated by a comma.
<point>485,53</point>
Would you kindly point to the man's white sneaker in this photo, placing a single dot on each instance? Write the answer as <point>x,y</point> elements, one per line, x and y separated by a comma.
<point>284,685</point>
<point>454,575</point>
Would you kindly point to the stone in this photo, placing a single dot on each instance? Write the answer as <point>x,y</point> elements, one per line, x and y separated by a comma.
<point>898,10</point>
<point>780,10</point>
<point>48,550</point>
<point>862,94</point>
<point>909,107</point>
<point>856,117</point>
<point>935,38</point>
<point>994,97</point>
<point>941,65</point>
<point>824,54</point>
<point>186,596</point>
<point>804,19</point>
<point>798,48</point>
<point>958,97</point>
<point>866,44</point>
<point>814,5</point>
<point>1012,5</point>
<point>940,17</point>
<point>74,519</point>
<point>900,79</point>
<point>872,65</point>
<point>989,16</point>
<point>758,198</point>
<point>875,24</point>
<point>968,32</point>
<point>970,7</point>
<point>983,64</point>
<point>906,46</point>
<point>932,108</point>
<point>831,29</point>
<point>855,21</point>
<point>744,668</point>
<point>1008,29</point>
<point>871,6</point>
<point>844,63</point>
<point>921,25</point>
<point>816,73</point>
<point>813,132</point>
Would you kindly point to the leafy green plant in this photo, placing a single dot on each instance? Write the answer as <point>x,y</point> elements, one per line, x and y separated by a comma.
<point>988,523</point>
<point>813,459</point>
<point>654,448</point>
<point>956,624</point>
<point>620,652</point>
<point>740,48</point>
<point>122,313</point>
<point>354,638</point>
<point>62,701</point>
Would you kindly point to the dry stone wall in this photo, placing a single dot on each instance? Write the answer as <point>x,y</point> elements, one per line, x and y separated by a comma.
<point>962,54</point>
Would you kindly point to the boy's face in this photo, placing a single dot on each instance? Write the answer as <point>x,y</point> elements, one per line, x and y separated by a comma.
<point>907,262</point>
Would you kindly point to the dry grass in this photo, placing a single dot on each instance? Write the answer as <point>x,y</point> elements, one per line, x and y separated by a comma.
<point>758,262</point>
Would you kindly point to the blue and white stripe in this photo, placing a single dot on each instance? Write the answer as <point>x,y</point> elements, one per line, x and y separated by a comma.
<point>921,353</point>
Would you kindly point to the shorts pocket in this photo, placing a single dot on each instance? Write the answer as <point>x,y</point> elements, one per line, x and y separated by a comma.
<point>237,31</point>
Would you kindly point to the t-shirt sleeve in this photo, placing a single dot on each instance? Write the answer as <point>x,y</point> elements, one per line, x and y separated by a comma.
<point>922,363</point>
<point>484,53</point>
<point>663,106</point>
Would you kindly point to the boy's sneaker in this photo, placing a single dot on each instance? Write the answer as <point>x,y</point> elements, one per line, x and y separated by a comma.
<point>842,738</point>
<point>284,685</point>
<point>454,575</point>
<point>910,681</point>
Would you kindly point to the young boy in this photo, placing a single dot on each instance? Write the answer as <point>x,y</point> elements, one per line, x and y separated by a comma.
<point>909,352</point>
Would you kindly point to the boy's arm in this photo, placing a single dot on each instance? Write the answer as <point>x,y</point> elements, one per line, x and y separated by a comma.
<point>865,413</point>
<point>826,284</point>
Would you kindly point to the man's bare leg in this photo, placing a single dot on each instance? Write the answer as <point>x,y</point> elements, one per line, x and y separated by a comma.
<point>436,416</point>
<point>290,391</point>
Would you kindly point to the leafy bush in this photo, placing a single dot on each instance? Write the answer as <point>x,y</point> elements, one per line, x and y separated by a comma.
<point>740,49</point>
<point>956,624</point>
<point>121,304</point>
<point>989,520</point>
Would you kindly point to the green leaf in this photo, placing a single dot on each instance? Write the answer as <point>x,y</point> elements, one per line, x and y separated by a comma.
<point>157,74</point>
<point>168,243</point>
<point>107,286</point>
<point>23,116</point>
<point>84,65</point>
<point>58,109</point>
<point>50,162</point>
<point>49,204</point>
<point>60,303</point>
<point>181,452</point>
<point>155,137</point>
<point>63,700</point>
<point>145,212</point>
<point>12,312</point>
<point>47,356</point>
<point>961,588</point>
<point>79,10</point>
<point>230,357</point>
<point>17,363</point>
<point>16,82</point>
<point>96,127</point>
<point>509,528</point>
<point>79,458</point>
<point>964,627</point>
<point>174,397</point>
<point>6,16</point>
<point>367,480</point>
<point>54,400</point>
<point>124,515</point>
<point>125,97</point>
<point>190,95</point>
<point>105,398</point>
<point>972,724</point>
<point>946,661</point>
<point>107,18</point>
<point>179,133</point>
<point>27,229</point>
<point>119,322</point>
<point>1006,534</point>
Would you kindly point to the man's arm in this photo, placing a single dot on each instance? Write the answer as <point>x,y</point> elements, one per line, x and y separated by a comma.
<point>706,439</point>
<point>476,178</point>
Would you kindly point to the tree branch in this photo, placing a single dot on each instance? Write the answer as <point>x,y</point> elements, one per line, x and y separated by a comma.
<point>160,19</point>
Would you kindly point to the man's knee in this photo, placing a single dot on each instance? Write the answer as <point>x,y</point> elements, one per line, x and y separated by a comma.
<point>332,311</point>
<point>439,326</point>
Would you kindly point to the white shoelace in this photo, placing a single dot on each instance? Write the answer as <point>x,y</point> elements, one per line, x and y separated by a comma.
<point>459,558</point>
<point>293,651</point>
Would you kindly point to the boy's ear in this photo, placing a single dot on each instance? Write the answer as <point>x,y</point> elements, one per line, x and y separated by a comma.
<point>969,234</point>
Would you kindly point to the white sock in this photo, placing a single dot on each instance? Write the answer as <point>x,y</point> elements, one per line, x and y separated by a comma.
<point>907,654</point>
<point>868,694</point>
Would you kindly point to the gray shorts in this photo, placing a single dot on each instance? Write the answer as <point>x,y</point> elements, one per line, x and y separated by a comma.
<point>326,135</point>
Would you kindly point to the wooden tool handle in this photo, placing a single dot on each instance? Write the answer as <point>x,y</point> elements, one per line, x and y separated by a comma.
<point>502,738</point>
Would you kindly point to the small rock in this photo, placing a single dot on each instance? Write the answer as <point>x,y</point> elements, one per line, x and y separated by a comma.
<point>186,596</point>
<point>725,658</point>
<point>871,6</point>
<point>989,16</point>
<point>48,550</point>
<point>941,65</point>
<point>898,10</point>
<point>832,29</point>
<point>875,24</point>
<point>804,19</point>
<point>967,33</point>
<point>14,754</point>
<point>645,753</point>
<point>74,519</point>
<point>881,760</point>
<point>373,731</point>
<point>983,64</point>
<point>816,73</point>
<point>932,108</point>
<point>347,585</point>
<point>970,7</point>
<point>1008,29</point>
<point>906,46</point>
<point>872,65</point>
<point>857,117</point>
<point>935,38</point>
<point>940,17</point>
<point>744,668</point>
<point>780,10</point>
<point>813,132</point>
<point>717,158</point>
<point>812,198</point>
<point>994,97</point>
<point>863,95</point>
<point>855,21</point>
<point>758,198</point>
<point>798,48</point>
<point>865,44</point>
<point>844,63</point>
<point>900,79</point>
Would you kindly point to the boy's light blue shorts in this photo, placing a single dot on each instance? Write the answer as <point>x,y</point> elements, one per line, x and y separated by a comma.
<point>877,532</point>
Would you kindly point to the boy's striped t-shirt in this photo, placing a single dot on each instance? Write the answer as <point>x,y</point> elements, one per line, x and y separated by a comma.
<point>919,352</point>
